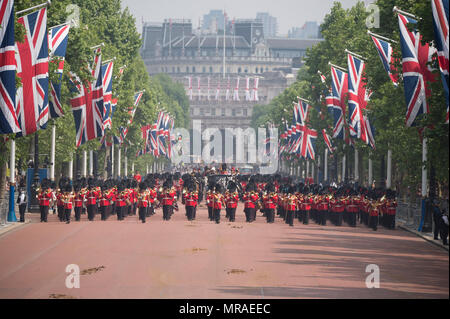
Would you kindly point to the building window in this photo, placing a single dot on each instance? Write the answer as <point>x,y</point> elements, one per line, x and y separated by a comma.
<point>244,111</point>
<point>210,69</point>
<point>202,112</point>
<point>233,112</point>
<point>256,70</point>
<point>178,69</point>
<point>173,69</point>
<point>223,112</point>
<point>193,69</point>
<point>213,112</point>
<point>187,69</point>
<point>239,70</point>
<point>246,71</point>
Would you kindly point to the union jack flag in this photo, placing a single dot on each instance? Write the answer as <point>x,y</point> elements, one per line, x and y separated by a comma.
<point>327,139</point>
<point>303,109</point>
<point>32,68</point>
<point>131,112</point>
<point>87,105</point>
<point>339,87</point>
<point>236,90</point>
<point>8,118</point>
<point>415,69</point>
<point>57,41</point>
<point>218,90</point>
<point>190,87</point>
<point>384,49</point>
<point>107,71</point>
<point>370,132</point>
<point>105,142</point>
<point>161,134</point>
<point>308,140</point>
<point>440,22</point>
<point>357,98</point>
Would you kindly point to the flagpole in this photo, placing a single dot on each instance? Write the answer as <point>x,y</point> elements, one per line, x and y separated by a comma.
<point>370,172</point>
<point>91,163</point>
<point>71,167</point>
<point>84,170</point>
<point>126,165</point>
<point>389,170</point>
<point>356,55</point>
<point>52,153</point>
<point>356,165</point>
<point>326,165</point>
<point>118,161</point>
<point>343,168</point>
<point>380,37</point>
<point>337,67</point>
<point>12,182</point>
<point>112,160</point>
<point>397,10</point>
<point>60,25</point>
<point>424,182</point>
<point>35,7</point>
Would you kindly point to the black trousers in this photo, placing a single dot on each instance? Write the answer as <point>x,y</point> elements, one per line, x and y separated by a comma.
<point>67,212</point>
<point>373,222</point>
<point>142,213</point>
<point>322,217</point>
<point>61,213</point>
<point>306,217</point>
<point>190,212</point>
<point>338,219</point>
<point>194,212</point>
<point>216,213</point>
<point>103,212</point>
<point>119,212</point>
<point>77,213</point>
<point>270,215</point>
<point>231,213</point>
<point>44,213</point>
<point>290,217</point>
<point>250,214</point>
<point>210,213</point>
<point>167,212</point>
<point>91,210</point>
<point>22,209</point>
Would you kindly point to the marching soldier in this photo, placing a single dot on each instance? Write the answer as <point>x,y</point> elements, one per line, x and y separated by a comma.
<point>231,199</point>
<point>250,199</point>
<point>270,202</point>
<point>190,199</point>
<point>291,206</point>
<point>105,201</point>
<point>168,197</point>
<point>142,201</point>
<point>218,202</point>
<point>91,197</point>
<point>59,199</point>
<point>120,197</point>
<point>45,194</point>
<point>68,199</point>
<point>209,202</point>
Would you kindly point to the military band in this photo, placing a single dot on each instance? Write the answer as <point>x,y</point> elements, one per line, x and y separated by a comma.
<point>245,195</point>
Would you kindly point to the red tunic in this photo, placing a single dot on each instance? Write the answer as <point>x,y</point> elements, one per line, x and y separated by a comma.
<point>44,197</point>
<point>232,200</point>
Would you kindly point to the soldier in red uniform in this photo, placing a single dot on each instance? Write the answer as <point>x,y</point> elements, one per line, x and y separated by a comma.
<point>91,197</point>
<point>152,197</point>
<point>142,201</point>
<point>44,196</point>
<point>391,209</point>
<point>168,196</point>
<point>105,201</point>
<point>78,201</point>
<point>137,177</point>
<point>209,201</point>
<point>291,206</point>
<point>270,200</point>
<point>231,200</point>
<point>68,198</point>
<point>120,197</point>
<point>59,198</point>
<point>218,201</point>
<point>190,199</point>
<point>250,199</point>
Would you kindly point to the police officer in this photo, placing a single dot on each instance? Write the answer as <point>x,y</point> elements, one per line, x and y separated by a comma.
<point>22,202</point>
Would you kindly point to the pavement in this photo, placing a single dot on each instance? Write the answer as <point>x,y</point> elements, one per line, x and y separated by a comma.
<point>425,235</point>
<point>204,260</point>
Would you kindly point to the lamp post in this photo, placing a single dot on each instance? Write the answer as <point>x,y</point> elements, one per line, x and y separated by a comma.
<point>34,203</point>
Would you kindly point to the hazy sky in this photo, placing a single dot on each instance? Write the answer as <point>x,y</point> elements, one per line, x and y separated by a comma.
<point>289,13</point>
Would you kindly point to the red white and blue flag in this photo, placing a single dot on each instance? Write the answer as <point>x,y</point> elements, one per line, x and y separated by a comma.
<point>58,38</point>
<point>416,72</point>
<point>384,49</point>
<point>303,109</point>
<point>339,87</point>
<point>357,98</point>
<point>440,21</point>
<point>107,72</point>
<point>32,68</point>
<point>87,105</point>
<point>307,142</point>
<point>327,139</point>
<point>8,117</point>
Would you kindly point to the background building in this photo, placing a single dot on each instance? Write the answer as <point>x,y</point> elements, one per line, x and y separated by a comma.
<point>310,30</point>
<point>269,24</point>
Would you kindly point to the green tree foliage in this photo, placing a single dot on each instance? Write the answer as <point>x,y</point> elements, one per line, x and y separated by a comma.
<point>100,21</point>
<point>346,29</point>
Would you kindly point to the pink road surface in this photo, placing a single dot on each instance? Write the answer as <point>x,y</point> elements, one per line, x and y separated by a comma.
<point>199,259</point>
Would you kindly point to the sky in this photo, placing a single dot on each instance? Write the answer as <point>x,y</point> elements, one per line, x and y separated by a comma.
<point>289,13</point>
